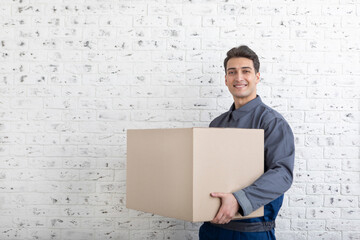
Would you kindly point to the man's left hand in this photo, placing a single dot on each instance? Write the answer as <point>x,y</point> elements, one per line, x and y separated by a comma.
<point>229,207</point>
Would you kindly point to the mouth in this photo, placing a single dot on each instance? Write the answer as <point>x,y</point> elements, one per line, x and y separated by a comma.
<point>240,85</point>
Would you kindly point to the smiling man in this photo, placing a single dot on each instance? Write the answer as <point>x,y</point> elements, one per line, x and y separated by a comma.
<point>248,111</point>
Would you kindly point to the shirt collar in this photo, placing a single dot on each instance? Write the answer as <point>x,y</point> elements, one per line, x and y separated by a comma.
<point>242,111</point>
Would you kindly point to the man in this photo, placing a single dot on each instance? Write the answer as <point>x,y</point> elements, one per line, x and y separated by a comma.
<point>248,111</point>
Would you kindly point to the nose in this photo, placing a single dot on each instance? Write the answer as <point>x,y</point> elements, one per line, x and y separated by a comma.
<point>239,76</point>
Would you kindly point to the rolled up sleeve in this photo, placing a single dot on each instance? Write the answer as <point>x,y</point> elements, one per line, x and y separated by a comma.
<point>279,153</point>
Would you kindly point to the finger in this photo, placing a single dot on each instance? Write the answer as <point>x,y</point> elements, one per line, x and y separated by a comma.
<point>217,218</point>
<point>217,194</point>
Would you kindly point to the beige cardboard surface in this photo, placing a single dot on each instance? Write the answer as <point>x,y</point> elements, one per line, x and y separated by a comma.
<point>159,172</point>
<point>171,172</point>
<point>226,160</point>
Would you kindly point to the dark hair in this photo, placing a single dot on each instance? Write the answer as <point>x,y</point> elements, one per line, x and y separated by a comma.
<point>243,51</point>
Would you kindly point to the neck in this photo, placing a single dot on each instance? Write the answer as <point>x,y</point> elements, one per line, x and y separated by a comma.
<point>239,102</point>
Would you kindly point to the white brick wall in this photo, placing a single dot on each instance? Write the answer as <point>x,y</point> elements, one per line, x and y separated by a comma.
<point>74,75</point>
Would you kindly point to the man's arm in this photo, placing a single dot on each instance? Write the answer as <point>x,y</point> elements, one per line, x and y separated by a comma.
<point>279,164</point>
<point>277,179</point>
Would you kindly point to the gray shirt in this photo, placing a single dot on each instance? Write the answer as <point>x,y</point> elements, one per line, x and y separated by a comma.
<point>279,152</point>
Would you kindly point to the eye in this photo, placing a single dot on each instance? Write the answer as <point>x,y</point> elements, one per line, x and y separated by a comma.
<point>231,72</point>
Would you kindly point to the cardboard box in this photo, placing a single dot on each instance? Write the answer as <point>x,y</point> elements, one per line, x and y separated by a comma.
<point>171,172</point>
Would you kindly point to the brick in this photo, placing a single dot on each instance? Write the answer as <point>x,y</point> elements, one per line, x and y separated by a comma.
<point>318,235</point>
<point>293,235</point>
<point>183,67</point>
<point>297,189</point>
<point>176,44</point>
<point>186,20</point>
<point>113,115</point>
<point>303,201</point>
<point>350,213</point>
<point>339,10</point>
<point>341,128</point>
<point>341,152</point>
<point>146,21</point>
<point>6,79</point>
<point>342,177</point>
<point>287,45</point>
<point>323,45</point>
<point>27,55</point>
<point>170,224</point>
<point>13,233</point>
<point>132,224</point>
<point>201,80</point>
<point>322,140</point>
<point>190,226</point>
<point>324,117</point>
<point>321,188</point>
<point>273,33</point>
<point>305,104</point>
<point>165,9</point>
<point>181,234</point>
<point>26,103</point>
<point>350,22</point>
<point>76,234</point>
<point>199,103</point>
<point>340,201</point>
<point>351,164</point>
<point>64,79</point>
<point>219,21</point>
<point>83,211</point>
<point>202,32</point>
<point>283,224</point>
<point>308,57</point>
<point>307,225</point>
<point>78,187</point>
<point>323,92</point>
<point>350,189</point>
<point>98,175</point>
<point>292,213</point>
<point>324,164</point>
<point>111,234</point>
<point>351,235</point>
<point>13,115</point>
<point>45,162</point>
<point>341,225</point>
<point>111,187</point>
<point>200,9</point>
<point>201,56</point>
<point>310,153</point>
<point>211,44</point>
<point>131,8</point>
<point>43,234</point>
<point>350,117</point>
<point>165,57</point>
<point>146,235</point>
<point>115,68</point>
<point>350,93</point>
<point>98,223</point>
<point>309,176</point>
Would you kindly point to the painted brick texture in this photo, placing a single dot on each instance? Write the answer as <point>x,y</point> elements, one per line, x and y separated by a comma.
<point>75,75</point>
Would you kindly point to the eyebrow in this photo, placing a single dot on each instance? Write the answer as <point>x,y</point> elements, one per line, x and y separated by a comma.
<point>233,68</point>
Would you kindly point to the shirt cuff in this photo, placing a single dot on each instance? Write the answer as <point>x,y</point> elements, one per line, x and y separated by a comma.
<point>244,202</point>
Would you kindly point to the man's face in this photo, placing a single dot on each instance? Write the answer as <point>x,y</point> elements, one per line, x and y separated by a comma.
<point>241,79</point>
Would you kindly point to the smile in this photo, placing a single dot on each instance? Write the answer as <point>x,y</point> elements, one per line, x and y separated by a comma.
<point>240,85</point>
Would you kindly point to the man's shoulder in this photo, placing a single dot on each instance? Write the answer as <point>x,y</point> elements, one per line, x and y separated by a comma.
<point>216,121</point>
<point>269,115</point>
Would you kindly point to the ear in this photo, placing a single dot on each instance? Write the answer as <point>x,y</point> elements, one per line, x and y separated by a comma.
<point>225,80</point>
<point>257,77</point>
